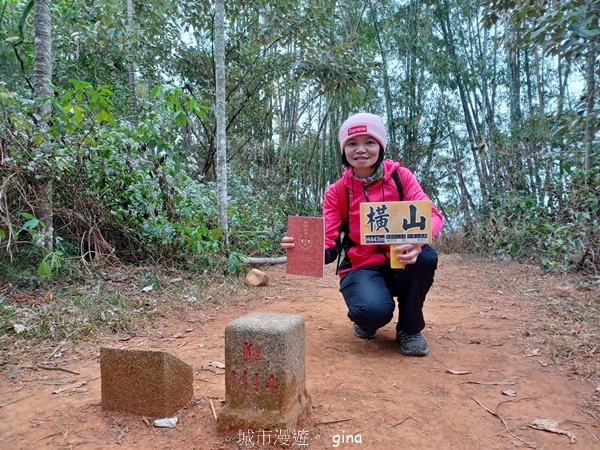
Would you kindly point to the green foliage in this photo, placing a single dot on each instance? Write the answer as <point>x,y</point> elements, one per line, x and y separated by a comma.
<point>521,227</point>
<point>144,188</point>
<point>81,102</point>
<point>561,27</point>
<point>338,68</point>
<point>26,11</point>
<point>234,263</point>
<point>126,191</point>
<point>150,195</point>
<point>110,176</point>
<point>52,260</point>
<point>6,314</point>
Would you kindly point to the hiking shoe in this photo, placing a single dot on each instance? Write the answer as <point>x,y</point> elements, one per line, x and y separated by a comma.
<point>364,334</point>
<point>412,344</point>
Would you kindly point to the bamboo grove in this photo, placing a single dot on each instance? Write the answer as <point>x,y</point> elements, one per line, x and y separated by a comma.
<point>108,127</point>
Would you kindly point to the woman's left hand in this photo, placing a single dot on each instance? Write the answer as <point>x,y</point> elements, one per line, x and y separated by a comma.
<point>406,253</point>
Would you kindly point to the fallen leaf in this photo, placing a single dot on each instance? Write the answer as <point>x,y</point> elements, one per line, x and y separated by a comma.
<point>458,372</point>
<point>217,364</point>
<point>551,426</point>
<point>23,298</point>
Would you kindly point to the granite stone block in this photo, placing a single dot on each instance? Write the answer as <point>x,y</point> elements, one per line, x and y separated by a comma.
<point>265,385</point>
<point>146,382</point>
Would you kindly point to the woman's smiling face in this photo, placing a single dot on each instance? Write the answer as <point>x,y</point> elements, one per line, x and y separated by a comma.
<point>362,152</point>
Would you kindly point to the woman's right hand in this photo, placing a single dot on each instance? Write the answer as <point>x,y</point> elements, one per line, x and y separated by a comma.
<point>287,242</point>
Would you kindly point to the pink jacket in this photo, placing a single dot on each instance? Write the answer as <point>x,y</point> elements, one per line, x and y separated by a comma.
<point>382,190</point>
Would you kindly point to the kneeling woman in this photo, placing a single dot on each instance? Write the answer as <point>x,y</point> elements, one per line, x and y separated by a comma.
<point>367,282</point>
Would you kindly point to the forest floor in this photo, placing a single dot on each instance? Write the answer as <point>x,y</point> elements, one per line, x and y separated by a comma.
<point>509,346</point>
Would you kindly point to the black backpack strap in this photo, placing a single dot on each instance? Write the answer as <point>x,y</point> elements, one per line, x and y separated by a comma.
<point>345,243</point>
<point>396,177</point>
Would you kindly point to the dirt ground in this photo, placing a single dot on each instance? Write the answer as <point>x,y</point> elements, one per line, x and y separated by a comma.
<point>492,371</point>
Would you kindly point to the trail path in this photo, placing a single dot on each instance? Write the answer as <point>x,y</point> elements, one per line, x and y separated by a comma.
<point>487,326</point>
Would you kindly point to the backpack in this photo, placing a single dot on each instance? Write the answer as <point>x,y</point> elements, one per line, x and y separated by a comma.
<point>342,192</point>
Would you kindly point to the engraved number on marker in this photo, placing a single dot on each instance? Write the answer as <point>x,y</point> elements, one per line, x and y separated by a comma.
<point>270,385</point>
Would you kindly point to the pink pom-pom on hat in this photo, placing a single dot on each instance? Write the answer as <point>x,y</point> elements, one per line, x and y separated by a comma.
<point>363,124</point>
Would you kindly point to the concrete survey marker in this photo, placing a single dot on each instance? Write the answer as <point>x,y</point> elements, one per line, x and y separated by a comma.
<point>147,382</point>
<point>265,384</point>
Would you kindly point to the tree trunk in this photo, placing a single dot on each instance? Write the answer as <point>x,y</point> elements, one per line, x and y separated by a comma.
<point>527,70</point>
<point>386,78</point>
<point>221,116</point>
<point>472,128</point>
<point>589,117</point>
<point>42,76</point>
<point>411,110</point>
<point>518,159</point>
<point>564,71</point>
<point>131,64</point>
<point>539,81</point>
<point>514,85</point>
<point>265,260</point>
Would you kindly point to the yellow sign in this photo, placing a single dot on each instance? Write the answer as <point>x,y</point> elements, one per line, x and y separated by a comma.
<point>389,223</point>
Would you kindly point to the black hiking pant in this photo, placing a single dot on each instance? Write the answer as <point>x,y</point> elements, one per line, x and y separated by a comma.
<point>369,292</point>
